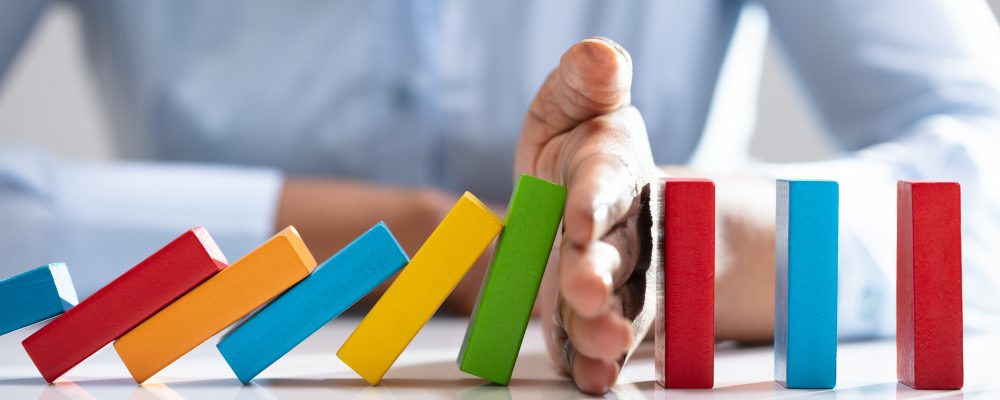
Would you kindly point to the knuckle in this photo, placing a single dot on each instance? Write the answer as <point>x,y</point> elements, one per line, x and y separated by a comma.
<point>605,124</point>
<point>624,125</point>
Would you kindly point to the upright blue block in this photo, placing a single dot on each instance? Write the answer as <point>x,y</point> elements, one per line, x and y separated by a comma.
<point>34,296</point>
<point>805,306</point>
<point>333,287</point>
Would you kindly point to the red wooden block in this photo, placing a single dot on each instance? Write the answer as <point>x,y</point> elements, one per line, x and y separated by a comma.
<point>929,285</point>
<point>124,303</point>
<point>685,314</point>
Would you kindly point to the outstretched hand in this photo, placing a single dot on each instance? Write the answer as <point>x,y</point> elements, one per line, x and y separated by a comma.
<point>582,132</point>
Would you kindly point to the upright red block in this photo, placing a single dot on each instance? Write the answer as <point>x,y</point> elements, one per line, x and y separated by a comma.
<point>124,303</point>
<point>685,307</point>
<point>929,285</point>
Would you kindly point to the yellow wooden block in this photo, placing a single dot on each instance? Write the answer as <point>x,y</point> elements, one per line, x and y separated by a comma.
<point>420,289</point>
<point>264,273</point>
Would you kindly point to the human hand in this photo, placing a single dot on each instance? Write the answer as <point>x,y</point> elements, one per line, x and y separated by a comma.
<point>582,132</point>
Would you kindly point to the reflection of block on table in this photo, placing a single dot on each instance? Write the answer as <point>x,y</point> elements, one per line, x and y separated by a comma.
<point>125,302</point>
<point>420,289</point>
<point>805,306</point>
<point>497,325</point>
<point>685,314</point>
<point>929,285</point>
<point>35,296</point>
<point>295,315</point>
<point>206,310</point>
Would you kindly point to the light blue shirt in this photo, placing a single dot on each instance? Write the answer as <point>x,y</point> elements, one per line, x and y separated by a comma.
<point>214,102</point>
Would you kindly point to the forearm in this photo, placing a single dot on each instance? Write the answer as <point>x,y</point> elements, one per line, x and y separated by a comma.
<point>745,253</point>
<point>331,213</point>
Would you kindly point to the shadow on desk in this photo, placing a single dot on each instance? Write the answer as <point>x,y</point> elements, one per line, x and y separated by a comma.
<point>437,379</point>
<point>534,378</point>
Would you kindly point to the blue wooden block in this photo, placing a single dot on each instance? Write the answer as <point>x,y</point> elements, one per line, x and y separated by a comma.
<point>805,306</point>
<point>34,296</point>
<point>298,313</point>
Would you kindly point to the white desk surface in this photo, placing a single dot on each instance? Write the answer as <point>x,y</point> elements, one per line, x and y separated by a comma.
<point>427,370</point>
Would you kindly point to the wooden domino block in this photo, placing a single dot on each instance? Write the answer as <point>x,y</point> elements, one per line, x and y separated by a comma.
<point>929,285</point>
<point>805,306</point>
<point>420,289</point>
<point>251,281</point>
<point>333,287</point>
<point>35,296</point>
<point>497,326</point>
<point>125,302</point>
<point>685,315</point>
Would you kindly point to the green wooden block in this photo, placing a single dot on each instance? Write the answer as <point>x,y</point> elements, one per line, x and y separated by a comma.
<point>501,315</point>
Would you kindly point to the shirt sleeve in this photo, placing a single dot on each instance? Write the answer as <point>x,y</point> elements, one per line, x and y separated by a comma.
<point>103,218</point>
<point>911,89</point>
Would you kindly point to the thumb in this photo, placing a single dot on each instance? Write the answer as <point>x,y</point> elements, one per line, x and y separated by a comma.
<point>594,77</point>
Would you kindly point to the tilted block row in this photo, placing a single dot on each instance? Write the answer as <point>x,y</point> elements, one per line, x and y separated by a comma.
<point>124,303</point>
<point>206,310</point>
<point>186,292</point>
<point>334,286</point>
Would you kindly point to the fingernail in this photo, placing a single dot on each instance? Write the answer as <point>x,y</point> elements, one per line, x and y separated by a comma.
<point>614,45</point>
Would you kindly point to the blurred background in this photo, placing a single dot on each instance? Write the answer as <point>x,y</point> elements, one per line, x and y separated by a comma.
<point>47,99</point>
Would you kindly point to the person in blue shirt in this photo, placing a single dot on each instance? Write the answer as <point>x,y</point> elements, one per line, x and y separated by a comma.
<point>247,116</point>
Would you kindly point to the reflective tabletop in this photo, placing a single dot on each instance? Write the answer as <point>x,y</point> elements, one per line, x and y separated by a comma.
<point>427,370</point>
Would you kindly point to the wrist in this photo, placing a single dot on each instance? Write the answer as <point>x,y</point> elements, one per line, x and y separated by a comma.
<point>745,261</point>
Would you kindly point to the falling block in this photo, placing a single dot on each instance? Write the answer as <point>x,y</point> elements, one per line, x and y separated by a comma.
<point>35,296</point>
<point>929,285</point>
<point>501,315</point>
<point>685,307</point>
<point>805,306</point>
<point>298,313</point>
<point>122,304</point>
<point>251,281</point>
<point>420,289</point>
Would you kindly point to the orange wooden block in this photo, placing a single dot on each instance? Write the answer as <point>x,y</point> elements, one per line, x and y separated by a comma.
<point>261,275</point>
